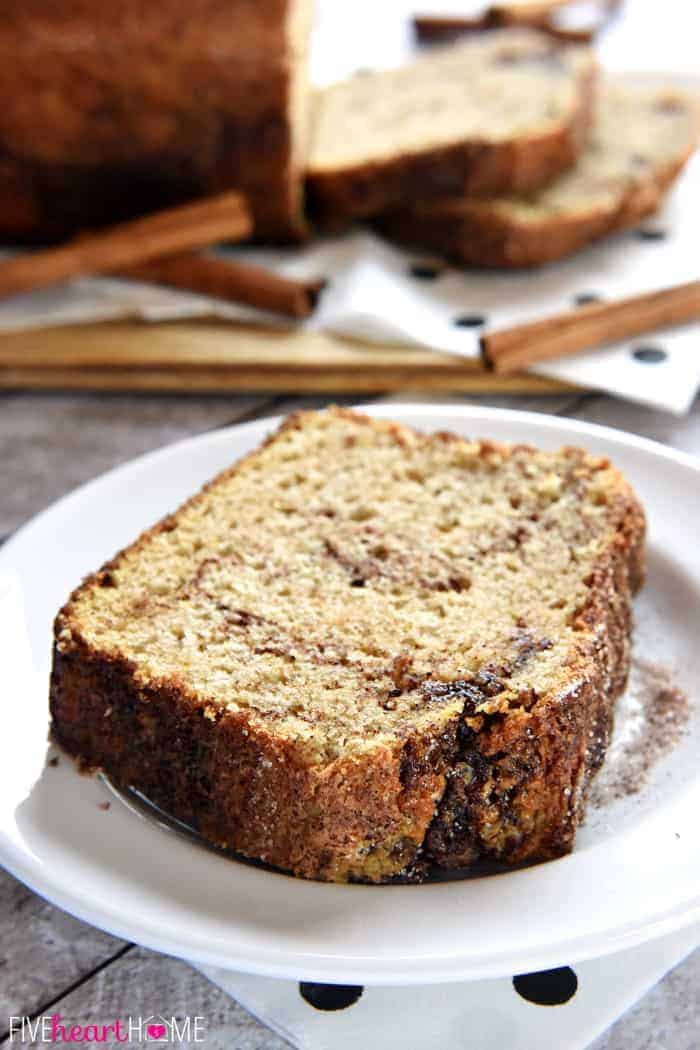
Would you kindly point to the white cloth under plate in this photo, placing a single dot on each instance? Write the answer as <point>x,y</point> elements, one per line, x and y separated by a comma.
<point>481,1015</point>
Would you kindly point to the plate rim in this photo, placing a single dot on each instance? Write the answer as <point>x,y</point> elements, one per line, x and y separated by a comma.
<point>371,971</point>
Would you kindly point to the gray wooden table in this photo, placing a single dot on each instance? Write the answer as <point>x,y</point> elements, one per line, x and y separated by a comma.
<point>49,962</point>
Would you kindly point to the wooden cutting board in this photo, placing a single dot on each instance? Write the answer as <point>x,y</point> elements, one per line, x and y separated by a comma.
<point>219,356</point>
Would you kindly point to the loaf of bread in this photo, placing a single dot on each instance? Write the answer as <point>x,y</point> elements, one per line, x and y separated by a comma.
<point>362,650</point>
<point>640,142</point>
<point>113,109</point>
<point>506,111</point>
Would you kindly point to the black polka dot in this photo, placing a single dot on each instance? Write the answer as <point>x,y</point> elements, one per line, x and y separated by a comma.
<point>424,272</point>
<point>548,987</point>
<point>651,234</point>
<point>649,355</point>
<point>470,321</point>
<point>330,996</point>
<point>587,297</point>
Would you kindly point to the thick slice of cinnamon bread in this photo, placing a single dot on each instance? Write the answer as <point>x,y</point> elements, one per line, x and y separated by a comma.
<point>362,649</point>
<point>506,111</point>
<point>640,142</point>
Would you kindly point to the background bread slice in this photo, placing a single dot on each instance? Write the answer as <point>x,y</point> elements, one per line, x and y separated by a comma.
<point>361,646</point>
<point>639,144</point>
<point>116,107</point>
<point>506,111</point>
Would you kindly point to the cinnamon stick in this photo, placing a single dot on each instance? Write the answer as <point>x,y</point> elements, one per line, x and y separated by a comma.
<point>589,327</point>
<point>233,281</point>
<point>225,217</point>
<point>434,29</point>
<point>544,15</point>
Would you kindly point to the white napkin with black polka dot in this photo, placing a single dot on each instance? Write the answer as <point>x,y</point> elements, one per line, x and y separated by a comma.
<point>566,1008</point>
<point>383,294</point>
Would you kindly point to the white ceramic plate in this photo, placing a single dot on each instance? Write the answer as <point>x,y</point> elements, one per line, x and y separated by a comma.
<point>635,873</point>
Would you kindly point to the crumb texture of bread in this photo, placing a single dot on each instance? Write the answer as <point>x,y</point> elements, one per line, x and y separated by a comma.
<point>507,111</point>
<point>362,649</point>
<point>640,141</point>
<point>115,109</point>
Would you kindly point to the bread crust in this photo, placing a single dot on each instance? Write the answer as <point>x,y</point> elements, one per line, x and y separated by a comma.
<point>510,787</point>
<point>173,102</point>
<point>476,168</point>
<point>517,786</point>
<point>241,787</point>
<point>479,234</point>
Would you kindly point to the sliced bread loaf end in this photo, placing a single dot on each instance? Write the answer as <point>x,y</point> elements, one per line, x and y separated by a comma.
<point>640,142</point>
<point>505,112</point>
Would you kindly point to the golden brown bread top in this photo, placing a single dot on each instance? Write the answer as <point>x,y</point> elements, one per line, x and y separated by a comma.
<point>112,109</point>
<point>345,583</point>
<point>112,82</point>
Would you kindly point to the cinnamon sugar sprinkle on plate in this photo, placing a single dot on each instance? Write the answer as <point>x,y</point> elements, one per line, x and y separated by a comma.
<point>650,720</point>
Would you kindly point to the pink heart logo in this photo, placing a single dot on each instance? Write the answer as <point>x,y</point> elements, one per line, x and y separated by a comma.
<point>155,1031</point>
